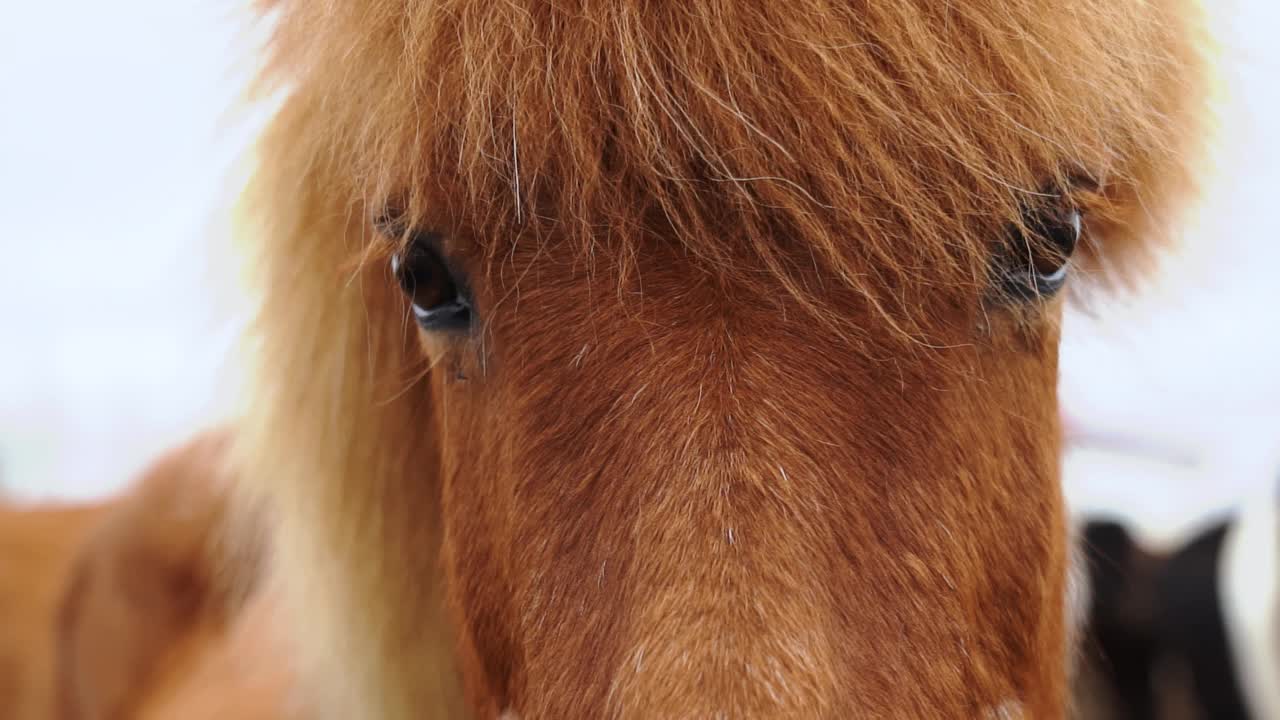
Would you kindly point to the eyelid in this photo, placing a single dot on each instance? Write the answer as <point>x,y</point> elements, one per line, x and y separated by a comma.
<point>390,224</point>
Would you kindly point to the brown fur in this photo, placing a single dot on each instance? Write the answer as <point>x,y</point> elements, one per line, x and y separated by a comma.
<point>243,672</point>
<point>37,548</point>
<point>740,433</point>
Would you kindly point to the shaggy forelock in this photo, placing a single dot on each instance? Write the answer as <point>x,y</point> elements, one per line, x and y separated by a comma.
<point>884,143</point>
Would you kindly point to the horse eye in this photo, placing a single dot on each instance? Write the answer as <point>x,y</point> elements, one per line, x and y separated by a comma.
<point>1033,264</point>
<point>440,301</point>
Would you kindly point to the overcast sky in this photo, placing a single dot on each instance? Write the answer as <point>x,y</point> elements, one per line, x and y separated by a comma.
<point>116,145</point>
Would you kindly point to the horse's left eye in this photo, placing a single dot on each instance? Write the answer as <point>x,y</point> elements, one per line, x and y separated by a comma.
<point>440,300</point>
<point>1033,263</point>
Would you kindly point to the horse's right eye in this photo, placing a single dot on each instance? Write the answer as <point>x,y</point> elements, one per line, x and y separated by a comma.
<point>440,300</point>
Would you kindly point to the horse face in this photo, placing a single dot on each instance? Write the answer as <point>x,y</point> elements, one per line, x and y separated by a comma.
<point>673,495</point>
<point>714,349</point>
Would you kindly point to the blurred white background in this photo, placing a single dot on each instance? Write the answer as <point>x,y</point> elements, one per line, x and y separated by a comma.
<point>117,306</point>
<point>117,141</point>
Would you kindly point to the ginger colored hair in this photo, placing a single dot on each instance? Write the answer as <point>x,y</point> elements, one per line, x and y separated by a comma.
<point>740,429</point>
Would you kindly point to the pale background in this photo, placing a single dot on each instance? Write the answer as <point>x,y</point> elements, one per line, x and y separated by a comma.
<point>118,305</point>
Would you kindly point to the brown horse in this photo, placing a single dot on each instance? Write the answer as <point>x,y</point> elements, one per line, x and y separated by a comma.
<point>128,608</point>
<point>156,593</point>
<point>622,358</point>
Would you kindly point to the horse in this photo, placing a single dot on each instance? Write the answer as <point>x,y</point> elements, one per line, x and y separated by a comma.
<point>140,605</point>
<point>98,597</point>
<point>617,358</point>
<point>160,595</point>
<point>1187,631</point>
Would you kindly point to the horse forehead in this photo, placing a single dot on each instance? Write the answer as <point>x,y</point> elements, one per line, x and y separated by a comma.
<point>556,281</point>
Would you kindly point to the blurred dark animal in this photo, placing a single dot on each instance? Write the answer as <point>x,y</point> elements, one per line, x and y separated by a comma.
<point>1184,635</point>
